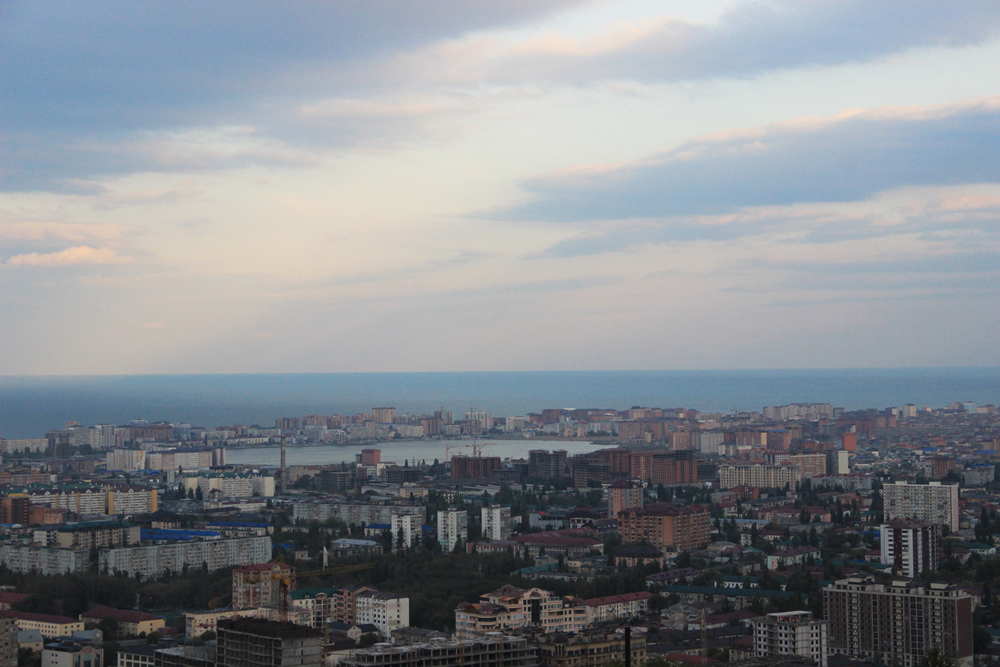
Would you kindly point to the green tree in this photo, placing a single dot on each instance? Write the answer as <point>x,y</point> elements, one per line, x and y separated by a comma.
<point>935,658</point>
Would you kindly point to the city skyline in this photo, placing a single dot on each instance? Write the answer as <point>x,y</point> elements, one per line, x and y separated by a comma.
<point>557,185</point>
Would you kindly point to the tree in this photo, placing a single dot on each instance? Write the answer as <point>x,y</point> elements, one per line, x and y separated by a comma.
<point>935,658</point>
<point>198,495</point>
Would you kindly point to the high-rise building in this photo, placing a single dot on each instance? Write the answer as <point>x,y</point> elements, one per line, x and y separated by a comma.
<point>909,411</point>
<point>452,528</point>
<point>623,494</point>
<point>474,467</point>
<point>850,442</point>
<point>898,623</point>
<point>792,633</point>
<point>406,531</point>
<point>674,468</point>
<point>665,524</point>
<point>252,642</point>
<point>934,502</point>
<point>910,546</point>
<point>478,421</point>
<point>838,462</point>
<point>371,457</point>
<point>545,464</point>
<point>383,415</point>
<point>809,465</point>
<point>495,523</point>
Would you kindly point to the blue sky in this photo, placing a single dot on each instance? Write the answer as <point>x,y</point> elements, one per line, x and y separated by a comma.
<point>449,185</point>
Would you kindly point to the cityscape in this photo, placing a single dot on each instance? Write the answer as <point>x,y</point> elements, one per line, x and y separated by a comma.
<point>499,333</point>
<point>800,534</point>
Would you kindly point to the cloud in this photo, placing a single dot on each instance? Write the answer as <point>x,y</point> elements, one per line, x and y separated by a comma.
<point>125,87</point>
<point>78,81</point>
<point>70,256</point>
<point>849,157</point>
<point>748,39</point>
<point>39,231</point>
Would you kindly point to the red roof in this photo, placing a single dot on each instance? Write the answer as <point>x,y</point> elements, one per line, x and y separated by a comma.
<point>98,612</point>
<point>7,597</point>
<point>39,618</point>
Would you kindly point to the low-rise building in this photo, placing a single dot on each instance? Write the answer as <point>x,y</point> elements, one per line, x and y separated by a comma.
<point>69,653</point>
<point>130,623</point>
<point>510,607</point>
<point>48,624</point>
<point>588,649</point>
<point>386,611</point>
<point>491,651</point>
<point>618,607</point>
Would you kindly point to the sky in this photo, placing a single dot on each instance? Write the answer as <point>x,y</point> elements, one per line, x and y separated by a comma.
<point>458,185</point>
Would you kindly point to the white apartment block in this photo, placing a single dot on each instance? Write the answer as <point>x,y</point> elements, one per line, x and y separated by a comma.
<point>353,514</point>
<point>386,611</point>
<point>128,460</point>
<point>452,528</point>
<point>792,633</point>
<point>910,546</point>
<point>232,485</point>
<point>495,523</point>
<point>44,560</point>
<point>406,531</point>
<point>132,500</point>
<point>155,560</point>
<point>934,502</point>
<point>760,475</point>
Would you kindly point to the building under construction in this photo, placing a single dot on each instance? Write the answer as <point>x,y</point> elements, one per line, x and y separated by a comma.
<point>493,650</point>
<point>251,642</point>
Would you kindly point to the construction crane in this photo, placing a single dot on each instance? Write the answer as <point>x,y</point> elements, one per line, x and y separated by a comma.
<point>284,579</point>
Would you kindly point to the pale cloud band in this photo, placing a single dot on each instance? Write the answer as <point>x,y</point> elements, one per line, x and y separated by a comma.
<point>70,256</point>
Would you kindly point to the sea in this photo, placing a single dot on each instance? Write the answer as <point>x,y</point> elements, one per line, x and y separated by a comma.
<point>29,405</point>
<point>402,451</point>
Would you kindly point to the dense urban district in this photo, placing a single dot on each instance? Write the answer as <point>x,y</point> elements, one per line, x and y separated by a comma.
<point>798,535</point>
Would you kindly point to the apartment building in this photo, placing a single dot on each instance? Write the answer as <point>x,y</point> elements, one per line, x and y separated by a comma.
<point>251,642</point>
<point>510,607</point>
<point>261,585</point>
<point>452,528</point>
<point>406,531</point>
<point>898,623</point>
<point>386,611</point>
<point>156,560</point>
<point>353,513</point>
<point>792,633</point>
<point>934,502</point>
<point>665,524</point>
<point>624,494</point>
<point>760,475</point>
<point>618,607</point>
<point>319,602</point>
<point>44,560</point>
<point>495,523</point>
<point>910,546</point>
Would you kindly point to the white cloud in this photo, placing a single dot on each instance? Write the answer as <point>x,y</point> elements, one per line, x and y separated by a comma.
<point>70,256</point>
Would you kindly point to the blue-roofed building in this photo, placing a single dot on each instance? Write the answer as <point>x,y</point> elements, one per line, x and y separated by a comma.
<point>177,535</point>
